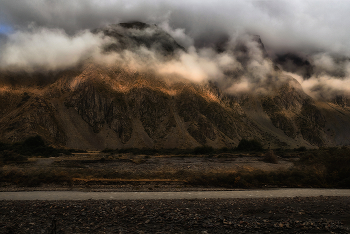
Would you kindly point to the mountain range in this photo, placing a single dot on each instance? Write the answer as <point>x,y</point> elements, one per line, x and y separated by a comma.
<point>96,105</point>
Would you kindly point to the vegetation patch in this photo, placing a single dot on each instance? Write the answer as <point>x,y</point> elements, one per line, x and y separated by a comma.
<point>147,151</point>
<point>244,145</point>
<point>249,145</point>
<point>323,168</point>
<point>33,146</point>
<point>270,157</point>
<point>21,177</point>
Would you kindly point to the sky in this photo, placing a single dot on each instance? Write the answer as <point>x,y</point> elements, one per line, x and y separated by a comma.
<point>5,29</point>
<point>54,34</point>
<point>303,25</point>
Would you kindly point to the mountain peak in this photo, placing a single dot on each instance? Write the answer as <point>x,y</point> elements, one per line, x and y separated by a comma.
<point>145,35</point>
<point>135,25</point>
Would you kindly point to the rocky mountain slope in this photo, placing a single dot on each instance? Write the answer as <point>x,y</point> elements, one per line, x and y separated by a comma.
<point>97,106</point>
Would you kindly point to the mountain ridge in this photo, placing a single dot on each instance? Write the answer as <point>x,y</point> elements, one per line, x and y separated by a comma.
<point>98,106</point>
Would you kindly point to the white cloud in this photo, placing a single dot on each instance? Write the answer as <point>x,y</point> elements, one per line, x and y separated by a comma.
<point>48,49</point>
<point>300,25</point>
<point>178,34</point>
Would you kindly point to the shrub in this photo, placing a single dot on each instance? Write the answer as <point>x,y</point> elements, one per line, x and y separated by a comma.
<point>203,150</point>
<point>249,145</point>
<point>107,150</point>
<point>224,149</point>
<point>301,149</point>
<point>307,158</point>
<point>270,157</point>
<point>34,142</point>
<point>34,178</point>
<point>8,156</point>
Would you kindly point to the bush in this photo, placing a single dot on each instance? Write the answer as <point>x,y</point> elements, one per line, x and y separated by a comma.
<point>307,158</point>
<point>249,145</point>
<point>34,142</point>
<point>107,150</point>
<point>301,149</point>
<point>7,156</point>
<point>34,178</point>
<point>203,150</point>
<point>34,146</point>
<point>270,157</point>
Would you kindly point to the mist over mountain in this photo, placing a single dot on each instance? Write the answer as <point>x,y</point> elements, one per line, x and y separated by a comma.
<point>134,85</point>
<point>53,35</point>
<point>304,26</point>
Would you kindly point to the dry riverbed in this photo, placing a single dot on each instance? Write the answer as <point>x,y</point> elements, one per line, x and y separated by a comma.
<point>260,215</point>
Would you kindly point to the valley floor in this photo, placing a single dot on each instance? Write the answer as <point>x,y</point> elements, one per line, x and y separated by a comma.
<point>95,171</point>
<point>113,171</point>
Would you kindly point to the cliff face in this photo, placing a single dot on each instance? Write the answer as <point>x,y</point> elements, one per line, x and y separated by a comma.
<point>295,114</point>
<point>96,113</point>
<point>25,115</point>
<point>97,107</point>
<point>144,115</point>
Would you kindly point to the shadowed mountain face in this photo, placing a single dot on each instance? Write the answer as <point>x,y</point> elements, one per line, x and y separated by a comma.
<point>134,35</point>
<point>108,106</point>
<point>295,64</point>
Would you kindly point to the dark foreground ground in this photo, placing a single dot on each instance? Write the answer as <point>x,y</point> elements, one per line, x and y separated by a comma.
<point>262,215</point>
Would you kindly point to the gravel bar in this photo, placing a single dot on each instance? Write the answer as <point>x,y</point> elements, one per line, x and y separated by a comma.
<point>241,215</point>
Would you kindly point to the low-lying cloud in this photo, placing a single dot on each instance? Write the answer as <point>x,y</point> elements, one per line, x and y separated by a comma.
<point>198,66</point>
<point>47,49</point>
<point>331,77</point>
<point>52,35</point>
<point>302,26</point>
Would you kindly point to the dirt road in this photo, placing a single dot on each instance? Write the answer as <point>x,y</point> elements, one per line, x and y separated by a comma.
<point>77,195</point>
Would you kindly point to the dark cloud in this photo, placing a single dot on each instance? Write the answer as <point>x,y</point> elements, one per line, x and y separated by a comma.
<point>74,15</point>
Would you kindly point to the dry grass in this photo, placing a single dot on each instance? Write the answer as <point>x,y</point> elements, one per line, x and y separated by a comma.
<point>316,168</point>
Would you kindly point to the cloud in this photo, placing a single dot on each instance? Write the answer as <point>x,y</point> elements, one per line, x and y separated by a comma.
<point>236,71</point>
<point>332,65</point>
<point>212,32</point>
<point>326,87</point>
<point>330,79</point>
<point>199,66</point>
<point>196,66</point>
<point>178,34</point>
<point>309,26</point>
<point>48,49</point>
